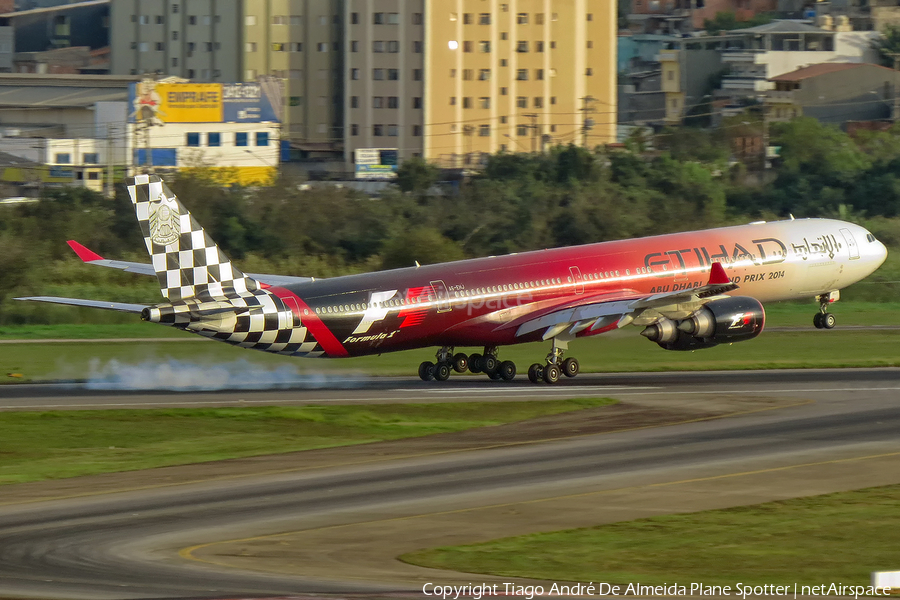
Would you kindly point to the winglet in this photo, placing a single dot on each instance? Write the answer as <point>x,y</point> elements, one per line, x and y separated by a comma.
<point>83,253</point>
<point>717,275</point>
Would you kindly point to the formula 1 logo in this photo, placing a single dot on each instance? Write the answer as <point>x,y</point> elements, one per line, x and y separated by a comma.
<point>740,320</point>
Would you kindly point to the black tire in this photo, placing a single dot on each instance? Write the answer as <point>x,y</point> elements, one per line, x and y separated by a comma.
<point>828,321</point>
<point>489,364</point>
<point>442,371</point>
<point>551,373</point>
<point>475,365</point>
<point>536,373</point>
<point>507,370</point>
<point>460,363</point>
<point>817,321</point>
<point>426,371</point>
<point>495,376</point>
<point>570,367</point>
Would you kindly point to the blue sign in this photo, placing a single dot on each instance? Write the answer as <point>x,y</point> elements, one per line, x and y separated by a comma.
<point>249,103</point>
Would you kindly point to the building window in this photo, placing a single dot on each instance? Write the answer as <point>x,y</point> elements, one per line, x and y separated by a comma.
<point>484,74</point>
<point>91,158</point>
<point>417,130</point>
<point>522,18</point>
<point>589,71</point>
<point>521,102</point>
<point>452,73</point>
<point>503,120</point>
<point>295,73</point>
<point>354,101</point>
<point>214,139</point>
<point>392,130</point>
<point>417,19</point>
<point>417,75</point>
<point>354,18</point>
<point>144,19</point>
<point>190,73</point>
<point>160,46</point>
<point>278,47</point>
<point>174,61</point>
<point>296,46</point>
<point>279,20</point>
<point>502,62</point>
<point>378,130</point>
<point>484,102</point>
<point>377,102</point>
<point>590,44</point>
<point>377,46</point>
<point>144,46</point>
<point>539,46</point>
<point>538,18</point>
<point>467,102</point>
<point>522,46</point>
<point>484,46</point>
<point>192,20</point>
<point>393,102</point>
<point>378,18</point>
<point>160,20</point>
<point>354,129</point>
<point>354,46</point>
<point>467,74</point>
<point>393,46</point>
<point>503,91</point>
<point>552,99</point>
<point>63,158</point>
<point>522,130</point>
<point>296,20</point>
<point>175,7</point>
<point>538,102</point>
<point>322,47</point>
<point>553,45</point>
<point>539,74</point>
<point>174,36</point>
<point>240,138</point>
<point>452,100</point>
<point>590,16</point>
<point>250,20</point>
<point>522,75</point>
<point>193,140</point>
<point>393,18</point>
<point>484,19</point>
<point>467,19</point>
<point>393,74</point>
<point>262,138</point>
<point>504,35</point>
<point>354,73</point>
<point>467,46</point>
<point>378,74</point>
<point>484,130</point>
<point>417,102</point>
<point>417,47</point>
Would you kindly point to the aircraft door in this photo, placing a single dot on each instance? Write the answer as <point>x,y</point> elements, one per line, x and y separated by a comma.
<point>577,280</point>
<point>851,243</point>
<point>443,296</point>
<point>292,304</point>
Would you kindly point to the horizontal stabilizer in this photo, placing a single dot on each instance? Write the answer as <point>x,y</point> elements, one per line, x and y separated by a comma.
<point>119,306</point>
<point>92,258</point>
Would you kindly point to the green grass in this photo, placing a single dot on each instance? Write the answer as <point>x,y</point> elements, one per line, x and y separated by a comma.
<point>839,537</point>
<point>51,445</point>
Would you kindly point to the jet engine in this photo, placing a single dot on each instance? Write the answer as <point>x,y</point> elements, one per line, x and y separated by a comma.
<point>719,322</point>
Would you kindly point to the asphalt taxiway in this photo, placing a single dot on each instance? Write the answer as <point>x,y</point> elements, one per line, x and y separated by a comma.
<point>334,521</point>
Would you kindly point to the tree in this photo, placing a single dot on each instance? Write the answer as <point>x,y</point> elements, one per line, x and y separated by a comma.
<point>424,245</point>
<point>888,45</point>
<point>417,176</point>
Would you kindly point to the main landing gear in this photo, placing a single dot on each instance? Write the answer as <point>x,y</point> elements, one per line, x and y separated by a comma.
<point>447,362</point>
<point>555,366</point>
<point>824,319</point>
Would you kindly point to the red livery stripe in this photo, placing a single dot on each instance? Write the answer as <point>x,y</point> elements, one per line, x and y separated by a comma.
<point>313,323</point>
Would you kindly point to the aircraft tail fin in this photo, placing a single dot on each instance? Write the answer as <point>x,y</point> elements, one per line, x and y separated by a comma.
<point>188,263</point>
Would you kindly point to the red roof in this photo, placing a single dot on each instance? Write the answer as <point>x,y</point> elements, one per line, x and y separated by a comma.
<point>822,69</point>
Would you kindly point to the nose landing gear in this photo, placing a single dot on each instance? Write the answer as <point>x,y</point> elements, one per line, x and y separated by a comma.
<point>824,319</point>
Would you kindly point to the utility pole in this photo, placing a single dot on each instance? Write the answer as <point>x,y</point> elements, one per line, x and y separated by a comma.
<point>110,134</point>
<point>534,130</point>
<point>587,122</point>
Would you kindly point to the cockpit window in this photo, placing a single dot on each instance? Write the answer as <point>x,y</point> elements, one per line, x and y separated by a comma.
<point>870,237</point>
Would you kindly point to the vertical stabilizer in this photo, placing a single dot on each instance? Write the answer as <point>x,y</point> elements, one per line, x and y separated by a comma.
<point>186,260</point>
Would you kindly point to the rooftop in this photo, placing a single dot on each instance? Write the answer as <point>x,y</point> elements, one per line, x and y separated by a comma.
<point>782,26</point>
<point>52,9</point>
<point>822,69</point>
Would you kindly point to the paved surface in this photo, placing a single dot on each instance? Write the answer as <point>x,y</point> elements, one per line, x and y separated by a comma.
<point>336,520</point>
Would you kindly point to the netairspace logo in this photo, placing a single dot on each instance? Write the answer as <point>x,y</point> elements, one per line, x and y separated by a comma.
<point>178,375</point>
<point>477,591</point>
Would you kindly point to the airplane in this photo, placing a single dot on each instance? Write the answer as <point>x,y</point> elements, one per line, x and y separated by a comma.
<point>679,288</point>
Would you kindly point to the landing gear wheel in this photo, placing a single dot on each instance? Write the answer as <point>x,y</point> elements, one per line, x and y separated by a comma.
<point>570,367</point>
<point>442,371</point>
<point>536,373</point>
<point>817,320</point>
<point>495,376</point>
<point>507,370</point>
<point>460,363</point>
<point>488,364</point>
<point>475,365</point>
<point>426,371</point>
<point>828,321</point>
<point>551,373</point>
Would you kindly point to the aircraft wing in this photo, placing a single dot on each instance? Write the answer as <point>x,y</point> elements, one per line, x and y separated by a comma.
<point>119,306</point>
<point>92,258</point>
<point>607,313</point>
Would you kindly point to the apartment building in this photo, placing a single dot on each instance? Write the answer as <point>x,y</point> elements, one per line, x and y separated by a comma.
<point>300,41</point>
<point>456,79</point>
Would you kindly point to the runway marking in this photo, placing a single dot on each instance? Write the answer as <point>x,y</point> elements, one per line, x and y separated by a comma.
<point>187,553</point>
<point>404,456</point>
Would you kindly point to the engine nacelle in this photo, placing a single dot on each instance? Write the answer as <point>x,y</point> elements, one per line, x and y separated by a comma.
<point>723,321</point>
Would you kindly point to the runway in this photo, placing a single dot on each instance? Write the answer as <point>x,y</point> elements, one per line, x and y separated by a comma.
<point>336,520</point>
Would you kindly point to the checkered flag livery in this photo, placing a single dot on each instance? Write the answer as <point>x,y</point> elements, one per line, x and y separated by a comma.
<point>186,260</point>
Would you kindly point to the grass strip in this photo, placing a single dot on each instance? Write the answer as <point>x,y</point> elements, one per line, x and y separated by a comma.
<point>839,538</point>
<point>619,351</point>
<point>57,444</point>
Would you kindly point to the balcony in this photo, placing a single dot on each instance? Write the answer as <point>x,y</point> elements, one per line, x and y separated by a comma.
<point>667,56</point>
<point>774,97</point>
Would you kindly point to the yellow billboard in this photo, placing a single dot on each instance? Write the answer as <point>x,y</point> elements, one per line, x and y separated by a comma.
<point>159,103</point>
